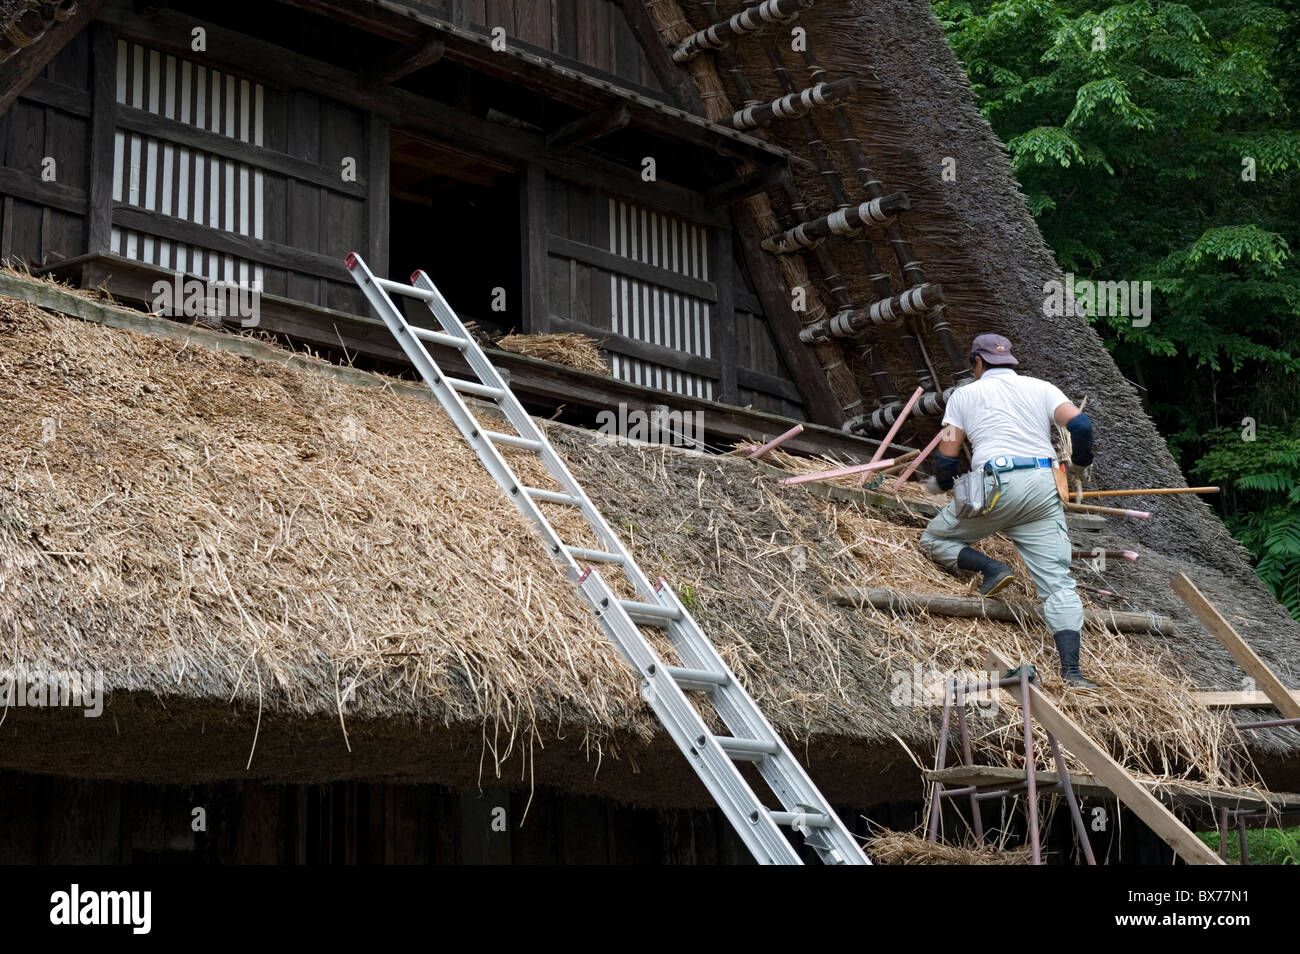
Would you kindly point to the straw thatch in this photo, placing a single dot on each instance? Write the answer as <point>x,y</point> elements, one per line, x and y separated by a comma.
<point>278,570</point>
<point>572,350</point>
<point>911,848</point>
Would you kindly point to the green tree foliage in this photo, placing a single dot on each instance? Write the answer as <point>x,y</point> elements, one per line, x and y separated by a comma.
<point>1158,142</point>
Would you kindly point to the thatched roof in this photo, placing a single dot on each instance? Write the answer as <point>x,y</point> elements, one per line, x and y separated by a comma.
<point>913,111</point>
<point>236,542</point>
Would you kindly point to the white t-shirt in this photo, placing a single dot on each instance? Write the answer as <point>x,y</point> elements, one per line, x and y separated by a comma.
<point>1005,413</point>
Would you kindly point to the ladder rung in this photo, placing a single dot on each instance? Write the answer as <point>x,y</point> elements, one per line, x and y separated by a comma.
<point>651,611</point>
<point>552,496</point>
<point>808,819</point>
<point>751,750</point>
<point>696,678</point>
<point>397,288</point>
<point>595,556</point>
<point>479,390</point>
<point>439,337</point>
<point>513,440</point>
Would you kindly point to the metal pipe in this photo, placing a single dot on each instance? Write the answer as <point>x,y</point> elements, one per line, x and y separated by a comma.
<point>940,760</point>
<point>1068,787</point>
<point>774,443</point>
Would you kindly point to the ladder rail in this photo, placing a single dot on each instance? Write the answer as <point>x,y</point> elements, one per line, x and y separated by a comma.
<point>523,423</point>
<point>714,758</point>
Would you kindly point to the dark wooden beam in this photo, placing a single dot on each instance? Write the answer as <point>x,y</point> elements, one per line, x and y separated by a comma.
<point>623,265</point>
<point>724,314</point>
<point>27,64</point>
<point>49,93</point>
<point>169,130</point>
<point>589,128</point>
<point>533,241</point>
<point>414,56</point>
<point>377,197</point>
<point>30,187</point>
<point>742,187</point>
<point>642,350</point>
<point>103,94</point>
<point>672,76</point>
<point>820,401</point>
<point>228,243</point>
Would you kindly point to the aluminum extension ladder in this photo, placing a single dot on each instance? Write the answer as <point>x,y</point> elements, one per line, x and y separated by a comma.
<point>664,687</point>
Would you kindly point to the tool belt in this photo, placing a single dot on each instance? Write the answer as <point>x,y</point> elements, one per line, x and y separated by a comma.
<point>1003,463</point>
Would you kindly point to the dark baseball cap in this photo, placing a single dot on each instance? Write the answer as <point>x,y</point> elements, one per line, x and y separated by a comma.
<point>994,349</point>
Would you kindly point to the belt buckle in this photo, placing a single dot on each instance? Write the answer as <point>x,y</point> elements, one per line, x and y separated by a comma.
<point>1001,462</point>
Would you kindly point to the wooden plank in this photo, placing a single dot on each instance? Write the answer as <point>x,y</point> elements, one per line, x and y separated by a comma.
<point>1236,699</point>
<point>482,840</point>
<point>1110,773</point>
<point>622,265</point>
<point>975,607</point>
<point>534,279</point>
<point>82,822</point>
<point>28,63</point>
<point>1246,658</point>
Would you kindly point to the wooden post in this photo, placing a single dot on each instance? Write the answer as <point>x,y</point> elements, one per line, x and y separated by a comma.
<point>1099,762</point>
<point>724,275</point>
<point>1254,667</point>
<point>535,317</point>
<point>103,93</point>
<point>377,200</point>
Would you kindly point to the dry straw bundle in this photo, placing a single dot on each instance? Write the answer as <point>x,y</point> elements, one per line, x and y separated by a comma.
<point>911,848</point>
<point>572,350</point>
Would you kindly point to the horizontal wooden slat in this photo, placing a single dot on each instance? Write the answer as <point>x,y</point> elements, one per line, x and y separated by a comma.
<point>228,243</point>
<point>768,384</point>
<point>645,350</point>
<point>159,127</point>
<point>620,265</point>
<point>56,195</point>
<point>58,95</point>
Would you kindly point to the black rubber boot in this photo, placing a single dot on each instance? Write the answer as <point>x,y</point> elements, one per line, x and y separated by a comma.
<point>1067,646</point>
<point>995,575</point>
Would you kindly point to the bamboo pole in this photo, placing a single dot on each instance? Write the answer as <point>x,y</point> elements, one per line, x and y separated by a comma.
<point>1150,491</point>
<point>1113,511</point>
<point>774,443</point>
<point>898,423</point>
<point>929,449</point>
<point>840,472</point>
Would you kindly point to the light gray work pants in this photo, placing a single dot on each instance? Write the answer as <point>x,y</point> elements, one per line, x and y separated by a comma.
<point>1030,514</point>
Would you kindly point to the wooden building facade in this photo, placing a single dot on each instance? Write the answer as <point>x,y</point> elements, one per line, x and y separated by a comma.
<point>525,154</point>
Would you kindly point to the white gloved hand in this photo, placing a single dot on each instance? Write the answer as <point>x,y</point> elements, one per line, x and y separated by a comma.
<point>1075,472</point>
<point>932,485</point>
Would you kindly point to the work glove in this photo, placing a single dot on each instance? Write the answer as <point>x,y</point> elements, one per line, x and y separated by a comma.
<point>932,485</point>
<point>1077,473</point>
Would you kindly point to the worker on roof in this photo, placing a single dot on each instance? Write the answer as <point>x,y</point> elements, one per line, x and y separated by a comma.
<point>1008,418</point>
